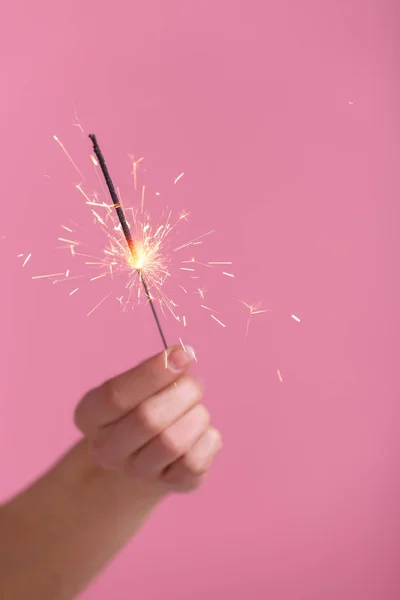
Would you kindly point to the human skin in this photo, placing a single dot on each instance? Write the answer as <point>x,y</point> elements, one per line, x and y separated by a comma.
<point>146,434</point>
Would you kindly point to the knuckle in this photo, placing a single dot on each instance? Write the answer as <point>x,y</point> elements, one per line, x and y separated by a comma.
<point>113,394</point>
<point>194,483</point>
<point>148,418</point>
<point>216,436</point>
<point>171,444</point>
<point>203,416</point>
<point>81,417</point>
<point>78,422</point>
<point>192,387</point>
<point>131,466</point>
<point>99,444</point>
<point>195,466</point>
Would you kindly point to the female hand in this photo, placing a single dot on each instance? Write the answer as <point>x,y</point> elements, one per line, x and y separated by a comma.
<point>150,423</point>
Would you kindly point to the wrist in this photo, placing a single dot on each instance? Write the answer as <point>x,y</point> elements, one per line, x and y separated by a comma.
<point>81,470</point>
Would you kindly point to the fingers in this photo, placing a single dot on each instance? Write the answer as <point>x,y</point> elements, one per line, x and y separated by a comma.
<point>172,443</point>
<point>149,423</point>
<point>188,472</point>
<point>120,395</point>
<point>114,444</point>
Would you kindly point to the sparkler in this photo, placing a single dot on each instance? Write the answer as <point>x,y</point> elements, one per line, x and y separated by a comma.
<point>137,247</point>
<point>127,233</point>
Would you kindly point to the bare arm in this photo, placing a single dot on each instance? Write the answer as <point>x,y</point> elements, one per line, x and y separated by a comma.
<point>59,533</point>
<point>146,434</point>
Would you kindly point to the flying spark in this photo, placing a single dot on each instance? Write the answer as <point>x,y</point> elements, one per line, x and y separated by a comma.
<point>179,177</point>
<point>67,154</point>
<point>254,309</point>
<point>26,260</point>
<point>218,321</point>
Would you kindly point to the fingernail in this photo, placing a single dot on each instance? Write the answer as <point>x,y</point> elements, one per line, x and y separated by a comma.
<point>179,358</point>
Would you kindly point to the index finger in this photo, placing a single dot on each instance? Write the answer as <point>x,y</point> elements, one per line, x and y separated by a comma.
<point>118,396</point>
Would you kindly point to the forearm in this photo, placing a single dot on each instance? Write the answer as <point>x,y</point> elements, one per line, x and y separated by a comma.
<point>56,535</point>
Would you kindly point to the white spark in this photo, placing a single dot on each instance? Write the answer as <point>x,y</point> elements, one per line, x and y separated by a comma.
<point>218,321</point>
<point>26,260</point>
<point>179,177</point>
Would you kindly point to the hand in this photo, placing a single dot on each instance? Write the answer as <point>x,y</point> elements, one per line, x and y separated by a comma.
<point>149,423</point>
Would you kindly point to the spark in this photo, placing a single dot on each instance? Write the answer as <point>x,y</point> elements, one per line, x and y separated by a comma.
<point>218,321</point>
<point>184,215</point>
<point>228,274</point>
<point>19,255</point>
<point>77,123</point>
<point>135,163</point>
<point>295,318</point>
<point>178,178</point>
<point>67,279</point>
<point>184,321</point>
<point>67,154</point>
<point>26,260</point>
<point>182,288</point>
<point>196,262</point>
<point>67,273</point>
<point>279,375</point>
<point>49,276</point>
<point>351,102</point>
<point>142,199</point>
<point>99,276</point>
<point>73,291</point>
<point>97,305</point>
<point>207,308</point>
<point>254,309</point>
<point>67,228</point>
<point>68,241</point>
<point>79,187</point>
<point>201,292</point>
<point>94,160</point>
<point>186,269</point>
<point>220,263</point>
<point>182,344</point>
<point>192,241</point>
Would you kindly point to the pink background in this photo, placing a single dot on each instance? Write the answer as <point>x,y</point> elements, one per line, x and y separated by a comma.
<point>252,101</point>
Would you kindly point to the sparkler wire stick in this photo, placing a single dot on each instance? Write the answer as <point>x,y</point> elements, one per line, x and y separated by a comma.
<point>125,229</point>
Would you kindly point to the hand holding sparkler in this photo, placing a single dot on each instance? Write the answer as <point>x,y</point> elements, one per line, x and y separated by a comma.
<point>149,423</point>
<point>149,436</point>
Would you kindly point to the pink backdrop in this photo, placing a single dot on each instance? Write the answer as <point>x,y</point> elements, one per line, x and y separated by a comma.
<point>284,118</point>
